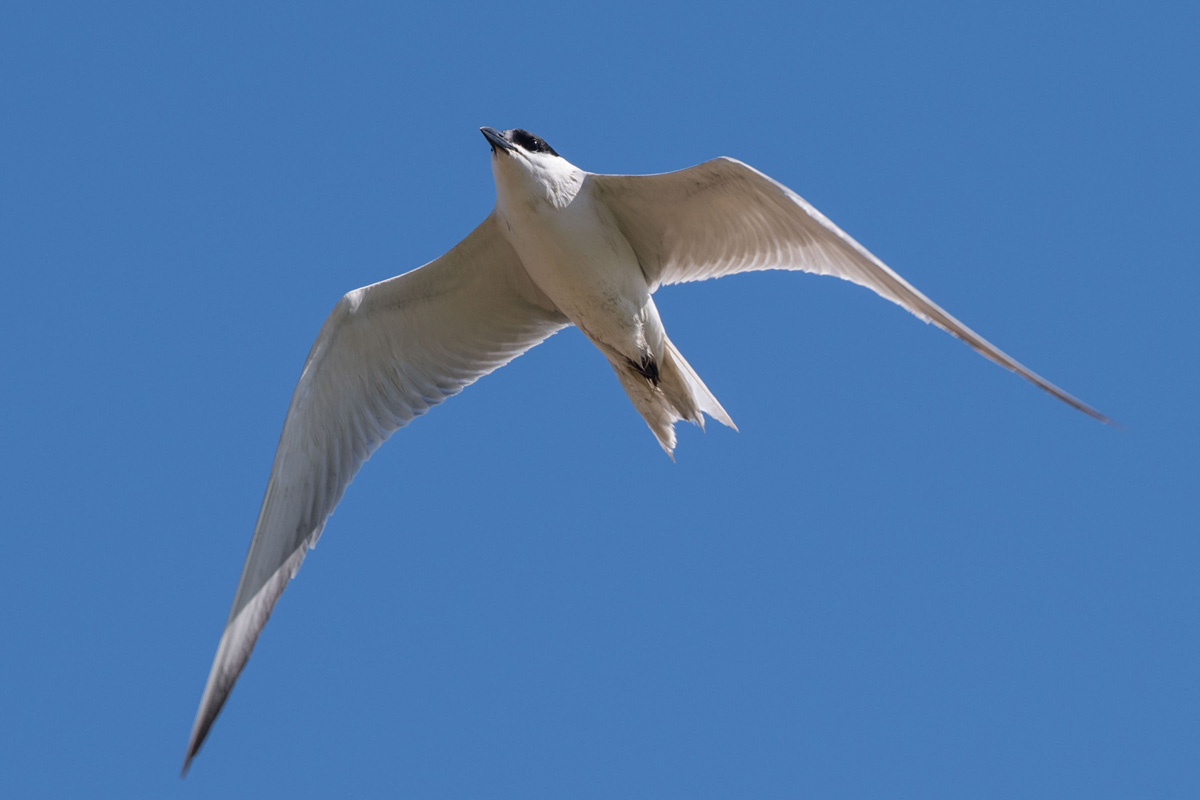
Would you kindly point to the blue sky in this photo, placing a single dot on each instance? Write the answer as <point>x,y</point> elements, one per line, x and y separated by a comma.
<point>911,574</point>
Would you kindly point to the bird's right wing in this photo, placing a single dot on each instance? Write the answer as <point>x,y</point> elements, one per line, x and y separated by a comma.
<point>724,217</point>
<point>387,353</point>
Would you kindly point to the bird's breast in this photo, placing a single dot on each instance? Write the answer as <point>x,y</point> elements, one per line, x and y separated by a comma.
<point>578,256</point>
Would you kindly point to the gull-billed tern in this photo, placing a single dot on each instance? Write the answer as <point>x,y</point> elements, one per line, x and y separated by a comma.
<point>561,247</point>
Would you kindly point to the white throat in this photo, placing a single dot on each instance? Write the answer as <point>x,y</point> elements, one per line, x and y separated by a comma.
<point>535,178</point>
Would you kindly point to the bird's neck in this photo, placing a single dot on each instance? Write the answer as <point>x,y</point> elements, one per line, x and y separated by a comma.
<point>552,185</point>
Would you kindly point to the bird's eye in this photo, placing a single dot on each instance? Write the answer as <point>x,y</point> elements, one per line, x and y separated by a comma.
<point>531,143</point>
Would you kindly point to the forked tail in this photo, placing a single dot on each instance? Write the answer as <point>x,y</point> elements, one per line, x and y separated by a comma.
<point>666,392</point>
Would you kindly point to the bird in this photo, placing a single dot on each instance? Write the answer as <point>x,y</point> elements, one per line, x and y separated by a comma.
<point>561,247</point>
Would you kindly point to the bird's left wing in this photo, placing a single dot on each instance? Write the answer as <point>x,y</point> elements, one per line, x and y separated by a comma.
<point>387,353</point>
<point>723,217</point>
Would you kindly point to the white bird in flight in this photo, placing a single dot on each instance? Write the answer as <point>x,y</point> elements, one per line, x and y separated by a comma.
<point>561,247</point>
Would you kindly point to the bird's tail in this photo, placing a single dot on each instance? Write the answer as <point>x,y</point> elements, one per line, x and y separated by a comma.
<point>668,392</point>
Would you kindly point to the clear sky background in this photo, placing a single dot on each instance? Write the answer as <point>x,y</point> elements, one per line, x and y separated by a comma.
<point>911,574</point>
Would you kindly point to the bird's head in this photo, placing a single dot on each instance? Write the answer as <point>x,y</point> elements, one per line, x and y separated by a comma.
<point>525,166</point>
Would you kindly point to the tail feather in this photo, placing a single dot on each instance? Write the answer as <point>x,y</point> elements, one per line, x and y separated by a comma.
<point>677,394</point>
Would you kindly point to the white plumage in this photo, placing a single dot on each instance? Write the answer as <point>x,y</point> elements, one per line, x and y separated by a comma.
<point>562,246</point>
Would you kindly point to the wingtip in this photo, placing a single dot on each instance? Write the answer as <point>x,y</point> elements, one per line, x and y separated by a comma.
<point>1109,421</point>
<point>216,691</point>
<point>192,748</point>
<point>1079,405</point>
<point>233,650</point>
<point>199,733</point>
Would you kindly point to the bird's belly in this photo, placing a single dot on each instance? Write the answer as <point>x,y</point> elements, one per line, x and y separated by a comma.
<point>591,274</point>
